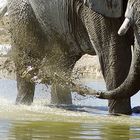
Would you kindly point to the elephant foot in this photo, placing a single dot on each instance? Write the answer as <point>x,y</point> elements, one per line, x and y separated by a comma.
<point>136,109</point>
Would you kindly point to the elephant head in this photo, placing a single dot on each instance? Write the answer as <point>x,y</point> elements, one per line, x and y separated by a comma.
<point>131,85</point>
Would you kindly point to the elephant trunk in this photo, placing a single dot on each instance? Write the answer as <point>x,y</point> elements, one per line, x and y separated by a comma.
<point>131,84</point>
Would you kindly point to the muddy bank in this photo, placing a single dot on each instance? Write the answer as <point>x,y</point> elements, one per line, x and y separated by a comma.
<point>88,66</point>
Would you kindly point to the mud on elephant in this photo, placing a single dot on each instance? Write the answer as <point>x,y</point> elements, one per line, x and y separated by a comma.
<point>55,34</point>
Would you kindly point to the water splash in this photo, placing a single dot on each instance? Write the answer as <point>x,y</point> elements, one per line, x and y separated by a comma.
<point>87,111</point>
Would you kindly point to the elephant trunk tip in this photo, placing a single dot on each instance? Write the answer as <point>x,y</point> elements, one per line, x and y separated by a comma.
<point>103,95</point>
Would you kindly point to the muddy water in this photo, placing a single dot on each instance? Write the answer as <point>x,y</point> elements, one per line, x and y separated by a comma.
<point>87,119</point>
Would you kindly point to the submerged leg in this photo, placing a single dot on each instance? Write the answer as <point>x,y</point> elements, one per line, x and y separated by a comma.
<point>114,74</point>
<point>25,91</point>
<point>28,42</point>
<point>60,93</point>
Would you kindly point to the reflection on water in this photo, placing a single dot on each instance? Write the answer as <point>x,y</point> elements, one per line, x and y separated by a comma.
<point>87,119</point>
<point>71,131</point>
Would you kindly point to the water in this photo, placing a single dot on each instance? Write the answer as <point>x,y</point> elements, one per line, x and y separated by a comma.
<point>89,120</point>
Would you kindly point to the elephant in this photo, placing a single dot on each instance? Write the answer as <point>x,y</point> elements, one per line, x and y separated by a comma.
<point>55,34</point>
<point>131,84</point>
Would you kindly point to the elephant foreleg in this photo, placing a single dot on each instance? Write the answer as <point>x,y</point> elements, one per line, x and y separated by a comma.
<point>28,42</point>
<point>115,71</point>
<point>60,92</point>
<point>114,53</point>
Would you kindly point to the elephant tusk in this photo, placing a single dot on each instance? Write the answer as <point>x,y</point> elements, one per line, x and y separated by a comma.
<point>125,26</point>
<point>3,10</point>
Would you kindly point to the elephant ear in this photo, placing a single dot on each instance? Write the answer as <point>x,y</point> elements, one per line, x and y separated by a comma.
<point>108,8</point>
